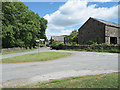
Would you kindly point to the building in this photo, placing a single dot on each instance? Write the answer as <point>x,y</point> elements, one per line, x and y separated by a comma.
<point>99,31</point>
<point>67,39</point>
<point>57,38</point>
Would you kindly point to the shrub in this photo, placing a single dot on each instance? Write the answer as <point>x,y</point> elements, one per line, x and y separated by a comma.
<point>57,45</point>
<point>105,44</point>
<point>74,43</point>
<point>101,48</point>
<point>42,45</point>
<point>60,46</point>
<point>89,49</point>
<point>92,43</point>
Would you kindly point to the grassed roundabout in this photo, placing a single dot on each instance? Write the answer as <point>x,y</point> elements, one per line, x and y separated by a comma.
<point>36,57</point>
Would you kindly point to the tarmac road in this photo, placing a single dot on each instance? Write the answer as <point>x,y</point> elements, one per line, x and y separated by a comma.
<point>79,64</point>
<point>22,53</point>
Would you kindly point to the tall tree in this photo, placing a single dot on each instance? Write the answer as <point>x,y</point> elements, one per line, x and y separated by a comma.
<point>74,36</point>
<point>21,27</point>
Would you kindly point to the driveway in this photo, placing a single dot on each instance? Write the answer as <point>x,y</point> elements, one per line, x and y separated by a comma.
<point>79,64</point>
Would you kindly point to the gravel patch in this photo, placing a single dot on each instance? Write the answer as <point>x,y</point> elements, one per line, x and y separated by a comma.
<point>53,76</point>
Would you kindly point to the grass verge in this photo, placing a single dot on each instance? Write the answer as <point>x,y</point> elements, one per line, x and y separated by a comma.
<point>92,81</point>
<point>34,57</point>
<point>97,50</point>
<point>18,51</point>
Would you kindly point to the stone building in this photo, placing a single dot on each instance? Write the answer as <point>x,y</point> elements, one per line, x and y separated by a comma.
<point>99,31</point>
<point>57,38</point>
<point>67,39</point>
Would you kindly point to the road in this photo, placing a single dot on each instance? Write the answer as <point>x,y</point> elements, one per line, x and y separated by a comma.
<point>79,64</point>
<point>22,53</point>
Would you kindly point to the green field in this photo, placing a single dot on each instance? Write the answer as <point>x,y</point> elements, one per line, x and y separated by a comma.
<point>92,81</point>
<point>35,57</point>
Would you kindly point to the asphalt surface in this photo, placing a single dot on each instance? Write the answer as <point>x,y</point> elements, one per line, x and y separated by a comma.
<point>79,64</point>
<point>22,53</point>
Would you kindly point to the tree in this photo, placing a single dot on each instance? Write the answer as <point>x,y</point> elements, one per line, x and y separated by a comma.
<point>21,27</point>
<point>73,36</point>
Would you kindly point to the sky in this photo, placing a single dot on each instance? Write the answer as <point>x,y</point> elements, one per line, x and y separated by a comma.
<point>64,17</point>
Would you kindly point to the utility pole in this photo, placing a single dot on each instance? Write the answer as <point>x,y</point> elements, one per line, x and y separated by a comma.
<point>39,47</point>
<point>39,44</point>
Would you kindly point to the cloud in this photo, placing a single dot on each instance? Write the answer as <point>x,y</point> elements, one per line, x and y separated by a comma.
<point>102,0</point>
<point>62,0</point>
<point>62,32</point>
<point>75,12</point>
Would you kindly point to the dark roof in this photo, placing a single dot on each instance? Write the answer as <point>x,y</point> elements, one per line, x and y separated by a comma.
<point>58,38</point>
<point>107,23</point>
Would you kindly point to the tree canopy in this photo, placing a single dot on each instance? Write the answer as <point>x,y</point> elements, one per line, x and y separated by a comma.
<point>20,26</point>
<point>73,37</point>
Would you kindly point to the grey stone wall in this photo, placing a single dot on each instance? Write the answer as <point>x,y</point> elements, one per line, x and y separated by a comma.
<point>91,30</point>
<point>12,49</point>
<point>86,47</point>
<point>111,32</point>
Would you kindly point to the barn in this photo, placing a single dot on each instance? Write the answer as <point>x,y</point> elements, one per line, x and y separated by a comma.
<point>57,38</point>
<point>99,31</point>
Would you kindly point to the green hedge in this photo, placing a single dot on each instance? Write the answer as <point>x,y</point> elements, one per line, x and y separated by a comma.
<point>57,45</point>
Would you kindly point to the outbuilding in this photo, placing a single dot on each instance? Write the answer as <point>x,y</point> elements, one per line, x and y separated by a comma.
<point>99,31</point>
<point>57,38</point>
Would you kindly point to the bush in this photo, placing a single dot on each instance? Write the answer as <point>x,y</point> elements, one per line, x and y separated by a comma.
<point>89,49</point>
<point>42,45</point>
<point>74,43</point>
<point>101,48</point>
<point>105,44</point>
<point>60,46</point>
<point>57,45</point>
<point>92,43</point>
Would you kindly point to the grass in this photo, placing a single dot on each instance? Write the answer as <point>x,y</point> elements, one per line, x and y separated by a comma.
<point>97,50</point>
<point>92,81</point>
<point>18,51</point>
<point>34,57</point>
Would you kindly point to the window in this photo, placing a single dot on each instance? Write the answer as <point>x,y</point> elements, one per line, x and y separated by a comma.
<point>113,40</point>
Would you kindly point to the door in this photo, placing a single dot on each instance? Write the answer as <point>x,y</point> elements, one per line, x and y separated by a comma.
<point>113,40</point>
